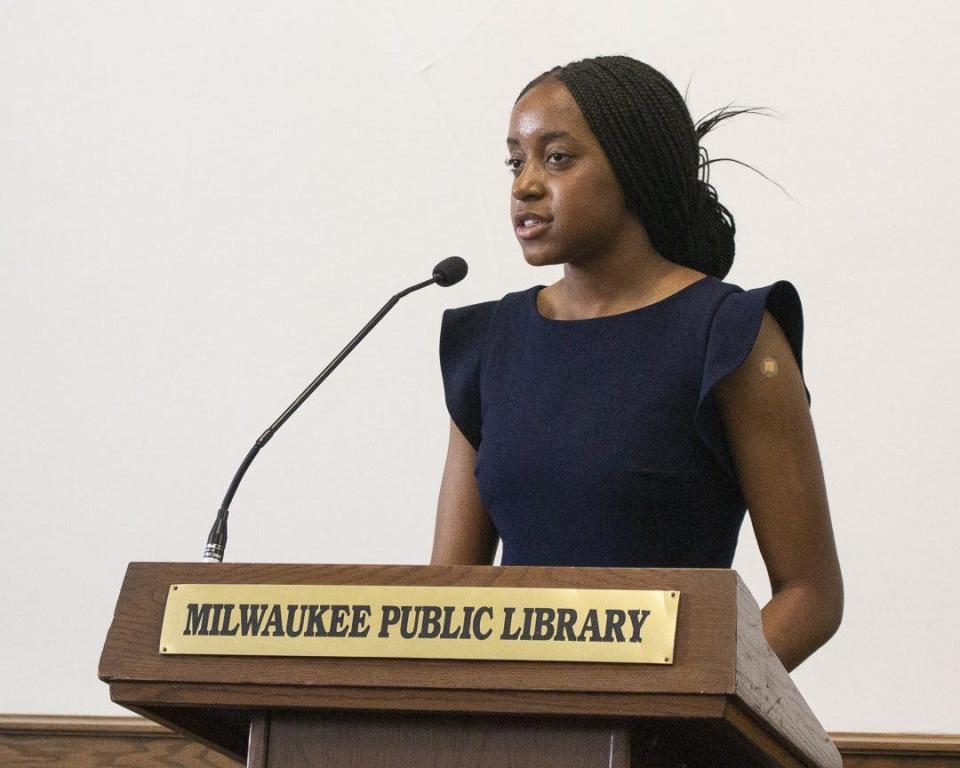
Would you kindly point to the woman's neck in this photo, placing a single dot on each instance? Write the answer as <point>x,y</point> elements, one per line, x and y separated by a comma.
<point>613,285</point>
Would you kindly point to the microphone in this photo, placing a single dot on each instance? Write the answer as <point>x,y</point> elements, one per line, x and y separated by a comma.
<point>448,272</point>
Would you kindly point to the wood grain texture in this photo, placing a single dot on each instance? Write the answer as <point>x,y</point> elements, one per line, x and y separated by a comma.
<point>703,661</point>
<point>98,742</point>
<point>257,750</point>
<point>943,745</point>
<point>716,661</point>
<point>403,741</point>
<point>162,696</point>
<point>766,694</point>
<point>762,740</point>
<point>898,750</point>
<point>900,761</point>
<point>49,741</point>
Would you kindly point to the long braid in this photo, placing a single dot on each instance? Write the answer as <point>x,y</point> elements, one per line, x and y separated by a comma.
<point>643,125</point>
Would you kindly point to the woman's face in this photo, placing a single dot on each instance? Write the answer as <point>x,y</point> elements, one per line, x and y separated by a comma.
<point>566,203</point>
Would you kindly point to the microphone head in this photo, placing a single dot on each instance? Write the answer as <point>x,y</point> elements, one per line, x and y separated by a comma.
<point>450,271</point>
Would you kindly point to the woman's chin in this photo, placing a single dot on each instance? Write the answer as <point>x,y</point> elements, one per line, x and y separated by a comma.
<point>539,257</point>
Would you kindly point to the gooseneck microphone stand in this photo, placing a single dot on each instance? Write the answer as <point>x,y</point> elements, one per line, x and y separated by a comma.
<point>447,272</point>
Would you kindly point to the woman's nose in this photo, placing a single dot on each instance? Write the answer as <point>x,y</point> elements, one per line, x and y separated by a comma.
<point>528,183</point>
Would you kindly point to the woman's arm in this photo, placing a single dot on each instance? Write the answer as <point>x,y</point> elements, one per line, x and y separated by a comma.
<point>464,534</point>
<point>774,448</point>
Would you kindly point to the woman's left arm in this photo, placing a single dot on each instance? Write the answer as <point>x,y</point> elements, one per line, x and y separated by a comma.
<point>774,448</point>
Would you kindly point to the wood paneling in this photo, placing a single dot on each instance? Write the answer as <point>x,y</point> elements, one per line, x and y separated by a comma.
<point>98,742</point>
<point>130,742</point>
<point>898,750</point>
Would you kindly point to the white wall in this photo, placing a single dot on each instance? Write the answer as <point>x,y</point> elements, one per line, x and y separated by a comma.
<point>201,202</point>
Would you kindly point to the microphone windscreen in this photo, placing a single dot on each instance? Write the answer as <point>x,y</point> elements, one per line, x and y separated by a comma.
<point>450,271</point>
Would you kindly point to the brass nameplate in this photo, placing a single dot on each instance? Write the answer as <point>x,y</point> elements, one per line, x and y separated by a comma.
<point>506,623</point>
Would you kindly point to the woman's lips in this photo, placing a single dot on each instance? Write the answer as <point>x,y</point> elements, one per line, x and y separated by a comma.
<point>530,227</point>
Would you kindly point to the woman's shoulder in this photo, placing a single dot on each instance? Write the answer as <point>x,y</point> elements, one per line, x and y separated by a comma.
<point>746,306</point>
<point>726,287</point>
<point>471,319</point>
<point>716,290</point>
<point>736,322</point>
<point>486,306</point>
<point>463,337</point>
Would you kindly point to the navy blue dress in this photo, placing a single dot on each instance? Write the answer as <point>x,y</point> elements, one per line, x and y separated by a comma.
<point>598,441</point>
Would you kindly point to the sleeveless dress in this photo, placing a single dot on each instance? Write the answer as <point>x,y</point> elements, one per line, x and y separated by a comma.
<point>598,441</point>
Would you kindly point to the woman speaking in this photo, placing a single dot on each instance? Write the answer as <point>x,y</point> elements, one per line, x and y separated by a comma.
<point>630,413</point>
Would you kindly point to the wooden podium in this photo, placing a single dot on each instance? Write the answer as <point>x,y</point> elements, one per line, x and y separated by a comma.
<point>724,701</point>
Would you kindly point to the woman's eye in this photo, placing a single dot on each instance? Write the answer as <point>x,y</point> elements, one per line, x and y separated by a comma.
<point>513,163</point>
<point>557,157</point>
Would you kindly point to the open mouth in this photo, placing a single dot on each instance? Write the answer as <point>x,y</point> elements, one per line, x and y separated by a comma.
<point>528,226</point>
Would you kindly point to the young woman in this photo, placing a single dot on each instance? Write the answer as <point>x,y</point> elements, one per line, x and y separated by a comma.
<point>630,413</point>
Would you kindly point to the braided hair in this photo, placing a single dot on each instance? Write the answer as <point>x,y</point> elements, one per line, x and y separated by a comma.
<point>643,125</point>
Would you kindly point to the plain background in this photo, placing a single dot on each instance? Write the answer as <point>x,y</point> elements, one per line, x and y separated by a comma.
<point>200,203</point>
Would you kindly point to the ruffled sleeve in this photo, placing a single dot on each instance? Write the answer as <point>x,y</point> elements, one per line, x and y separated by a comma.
<point>733,332</point>
<point>462,335</point>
